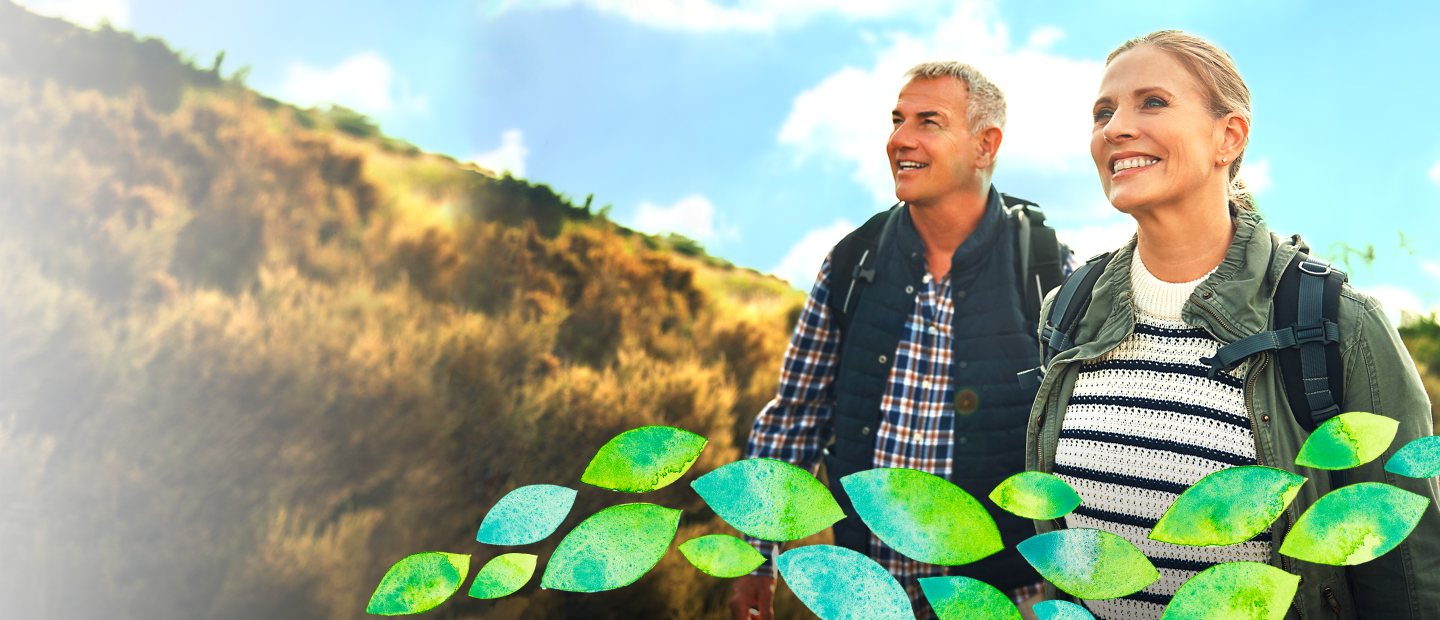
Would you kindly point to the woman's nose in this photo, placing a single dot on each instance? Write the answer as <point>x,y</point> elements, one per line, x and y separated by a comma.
<point>1120,127</point>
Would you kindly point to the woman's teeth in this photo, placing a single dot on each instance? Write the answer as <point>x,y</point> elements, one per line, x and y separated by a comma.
<point>1134,162</point>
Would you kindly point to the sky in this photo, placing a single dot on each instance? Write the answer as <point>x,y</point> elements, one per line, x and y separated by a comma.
<point>758,127</point>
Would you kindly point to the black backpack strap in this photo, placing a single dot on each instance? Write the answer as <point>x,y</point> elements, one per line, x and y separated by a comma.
<point>1070,304</point>
<point>854,259</point>
<point>1041,265</point>
<point>1307,305</point>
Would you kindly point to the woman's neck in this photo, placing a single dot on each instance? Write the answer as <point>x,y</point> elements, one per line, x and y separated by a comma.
<point>1181,245</point>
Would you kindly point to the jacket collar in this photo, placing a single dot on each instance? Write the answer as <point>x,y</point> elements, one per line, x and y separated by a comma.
<point>980,241</point>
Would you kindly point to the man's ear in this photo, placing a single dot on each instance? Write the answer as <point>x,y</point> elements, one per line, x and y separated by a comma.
<point>989,142</point>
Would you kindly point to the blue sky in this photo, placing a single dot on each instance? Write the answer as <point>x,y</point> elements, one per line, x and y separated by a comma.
<point>758,126</point>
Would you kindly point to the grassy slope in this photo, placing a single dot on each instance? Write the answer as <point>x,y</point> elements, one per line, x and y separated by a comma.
<point>253,355</point>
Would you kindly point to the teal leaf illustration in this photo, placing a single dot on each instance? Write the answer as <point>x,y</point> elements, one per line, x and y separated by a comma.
<point>526,515</point>
<point>612,548</point>
<point>721,555</point>
<point>963,598</point>
<point>1347,440</point>
<point>418,583</point>
<point>923,515</point>
<point>837,583</point>
<point>1234,591</point>
<point>503,575</point>
<point>1061,610</point>
<point>643,459</point>
<point>1418,459</point>
<point>1035,495</point>
<point>1229,506</point>
<point>769,499</point>
<point>1354,524</point>
<point>1089,563</point>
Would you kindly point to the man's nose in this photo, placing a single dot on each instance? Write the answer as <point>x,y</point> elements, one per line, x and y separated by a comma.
<point>903,137</point>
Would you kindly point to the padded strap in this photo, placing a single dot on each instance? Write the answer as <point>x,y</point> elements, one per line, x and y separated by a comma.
<point>1312,351</point>
<point>1230,355</point>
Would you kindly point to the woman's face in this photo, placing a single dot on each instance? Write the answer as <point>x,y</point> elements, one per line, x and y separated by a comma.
<point>1154,141</point>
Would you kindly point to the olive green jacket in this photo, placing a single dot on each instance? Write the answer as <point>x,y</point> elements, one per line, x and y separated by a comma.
<point>1380,378</point>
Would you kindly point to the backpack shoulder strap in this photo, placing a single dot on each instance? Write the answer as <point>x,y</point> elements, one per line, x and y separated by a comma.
<point>1306,340</point>
<point>1041,265</point>
<point>1070,304</point>
<point>854,259</point>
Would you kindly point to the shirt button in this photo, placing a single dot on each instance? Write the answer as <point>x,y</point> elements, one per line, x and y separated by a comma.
<point>883,359</point>
<point>865,431</point>
<point>909,289</point>
<point>964,363</point>
<point>962,440</point>
<point>960,294</point>
<point>933,331</point>
<point>926,279</point>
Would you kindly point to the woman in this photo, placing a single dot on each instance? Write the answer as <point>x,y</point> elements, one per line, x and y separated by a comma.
<point>1127,418</point>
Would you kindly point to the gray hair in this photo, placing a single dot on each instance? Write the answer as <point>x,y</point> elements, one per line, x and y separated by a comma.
<point>986,107</point>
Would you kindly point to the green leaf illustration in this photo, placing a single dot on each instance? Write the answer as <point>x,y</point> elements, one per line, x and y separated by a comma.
<point>1089,563</point>
<point>503,575</point>
<point>644,459</point>
<point>526,515</point>
<point>1035,495</point>
<point>1228,506</point>
<point>1418,459</point>
<point>1347,440</point>
<point>1061,610</point>
<point>963,598</point>
<point>1234,591</point>
<point>418,583</point>
<point>837,583</point>
<point>923,515</point>
<point>769,499</point>
<point>721,555</point>
<point>1354,524</point>
<point>612,548</point>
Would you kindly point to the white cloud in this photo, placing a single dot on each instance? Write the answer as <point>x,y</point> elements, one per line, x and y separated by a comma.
<point>86,13</point>
<point>692,216</point>
<point>1431,267</point>
<point>802,263</point>
<point>711,15</point>
<point>363,82</point>
<point>1435,172</point>
<point>509,156</point>
<point>1394,300</point>
<point>1256,175</point>
<point>1048,98</point>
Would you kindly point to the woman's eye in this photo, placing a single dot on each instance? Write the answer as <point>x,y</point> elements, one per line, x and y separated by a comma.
<point>1103,115</point>
<point>1155,102</point>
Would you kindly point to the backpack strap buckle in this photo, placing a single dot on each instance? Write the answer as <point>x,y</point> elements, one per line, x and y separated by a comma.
<point>1315,267</point>
<point>1322,331</point>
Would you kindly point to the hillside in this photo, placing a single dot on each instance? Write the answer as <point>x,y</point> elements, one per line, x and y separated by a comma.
<point>252,354</point>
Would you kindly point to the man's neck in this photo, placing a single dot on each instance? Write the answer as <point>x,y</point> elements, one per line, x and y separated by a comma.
<point>945,223</point>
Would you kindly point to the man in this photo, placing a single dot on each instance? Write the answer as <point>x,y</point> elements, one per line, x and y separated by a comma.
<point>907,355</point>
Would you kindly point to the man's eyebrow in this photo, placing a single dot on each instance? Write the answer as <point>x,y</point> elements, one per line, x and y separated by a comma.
<point>925,114</point>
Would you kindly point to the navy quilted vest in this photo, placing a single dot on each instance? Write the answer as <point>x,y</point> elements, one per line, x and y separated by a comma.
<point>993,341</point>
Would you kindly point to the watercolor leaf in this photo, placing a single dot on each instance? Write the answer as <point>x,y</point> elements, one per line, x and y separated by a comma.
<point>1347,440</point>
<point>838,583</point>
<point>769,499</point>
<point>721,555</point>
<point>1035,495</point>
<point>644,459</point>
<point>419,583</point>
<point>1354,524</point>
<point>503,575</point>
<point>526,515</point>
<point>1229,506</point>
<point>963,598</point>
<point>1418,459</point>
<point>1234,591</point>
<point>612,548</point>
<point>923,516</point>
<point>1089,563</point>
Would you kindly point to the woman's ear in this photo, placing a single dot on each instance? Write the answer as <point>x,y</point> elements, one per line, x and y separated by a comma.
<point>1235,133</point>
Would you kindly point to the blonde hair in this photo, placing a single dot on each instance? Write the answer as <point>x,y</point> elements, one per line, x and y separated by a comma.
<point>986,106</point>
<point>1223,86</point>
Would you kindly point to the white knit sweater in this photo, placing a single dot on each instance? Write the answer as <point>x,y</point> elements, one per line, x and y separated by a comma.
<point>1144,424</point>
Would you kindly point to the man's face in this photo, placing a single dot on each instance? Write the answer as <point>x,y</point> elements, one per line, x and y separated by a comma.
<point>932,152</point>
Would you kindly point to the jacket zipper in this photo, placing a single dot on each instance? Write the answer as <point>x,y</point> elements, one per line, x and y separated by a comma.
<point>1334,604</point>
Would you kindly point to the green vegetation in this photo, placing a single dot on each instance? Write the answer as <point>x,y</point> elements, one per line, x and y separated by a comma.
<point>254,355</point>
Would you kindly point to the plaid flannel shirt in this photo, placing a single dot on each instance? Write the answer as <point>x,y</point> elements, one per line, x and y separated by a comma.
<point>916,420</point>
